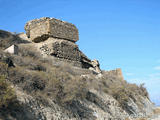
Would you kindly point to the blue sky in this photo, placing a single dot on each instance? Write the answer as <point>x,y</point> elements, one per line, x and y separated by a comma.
<point>119,33</point>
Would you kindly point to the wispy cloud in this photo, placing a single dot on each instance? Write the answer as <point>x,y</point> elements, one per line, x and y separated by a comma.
<point>157,68</point>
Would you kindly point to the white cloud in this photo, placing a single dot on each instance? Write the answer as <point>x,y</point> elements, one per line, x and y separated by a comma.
<point>157,68</point>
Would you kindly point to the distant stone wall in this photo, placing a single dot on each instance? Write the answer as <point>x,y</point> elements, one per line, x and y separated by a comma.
<point>40,29</point>
<point>117,72</point>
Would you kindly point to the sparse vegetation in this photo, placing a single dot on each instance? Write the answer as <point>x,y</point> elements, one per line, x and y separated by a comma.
<point>33,73</point>
<point>3,68</point>
<point>7,94</point>
<point>28,51</point>
<point>7,39</point>
<point>123,91</point>
<point>40,78</point>
<point>65,87</point>
<point>157,111</point>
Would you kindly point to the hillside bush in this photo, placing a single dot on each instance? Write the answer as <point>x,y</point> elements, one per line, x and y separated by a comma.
<point>61,86</point>
<point>64,84</point>
<point>28,51</point>
<point>3,68</point>
<point>7,39</point>
<point>123,91</point>
<point>7,94</point>
<point>29,81</point>
<point>64,88</point>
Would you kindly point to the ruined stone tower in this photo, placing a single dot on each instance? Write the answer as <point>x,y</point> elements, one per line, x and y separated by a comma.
<point>58,39</point>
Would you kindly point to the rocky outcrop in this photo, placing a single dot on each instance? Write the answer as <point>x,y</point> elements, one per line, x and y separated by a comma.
<point>40,29</point>
<point>96,66</point>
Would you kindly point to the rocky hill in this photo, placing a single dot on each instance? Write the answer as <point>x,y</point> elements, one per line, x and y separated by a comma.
<point>45,76</point>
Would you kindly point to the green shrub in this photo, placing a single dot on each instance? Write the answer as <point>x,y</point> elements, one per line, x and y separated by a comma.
<point>7,94</point>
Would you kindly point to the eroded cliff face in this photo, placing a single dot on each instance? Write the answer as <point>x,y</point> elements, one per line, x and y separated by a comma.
<point>54,80</point>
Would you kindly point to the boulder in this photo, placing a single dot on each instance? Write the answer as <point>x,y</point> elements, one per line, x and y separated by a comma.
<point>41,29</point>
<point>95,66</point>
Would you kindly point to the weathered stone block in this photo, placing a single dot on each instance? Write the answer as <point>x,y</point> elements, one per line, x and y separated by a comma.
<point>66,50</point>
<point>41,29</point>
<point>96,66</point>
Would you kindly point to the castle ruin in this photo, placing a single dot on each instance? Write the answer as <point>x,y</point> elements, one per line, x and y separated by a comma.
<point>58,39</point>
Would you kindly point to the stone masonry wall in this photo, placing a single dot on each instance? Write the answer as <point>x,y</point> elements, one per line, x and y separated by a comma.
<point>57,38</point>
<point>40,29</point>
<point>66,50</point>
<point>117,72</point>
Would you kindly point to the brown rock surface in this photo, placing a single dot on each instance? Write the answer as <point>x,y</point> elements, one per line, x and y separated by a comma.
<point>95,66</point>
<point>117,72</point>
<point>66,50</point>
<point>40,29</point>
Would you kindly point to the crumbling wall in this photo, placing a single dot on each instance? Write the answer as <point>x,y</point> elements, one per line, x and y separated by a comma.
<point>66,50</point>
<point>40,29</point>
<point>57,38</point>
<point>117,72</point>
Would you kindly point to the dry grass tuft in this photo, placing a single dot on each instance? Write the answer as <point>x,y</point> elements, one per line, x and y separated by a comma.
<point>123,91</point>
<point>157,111</point>
<point>7,94</point>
